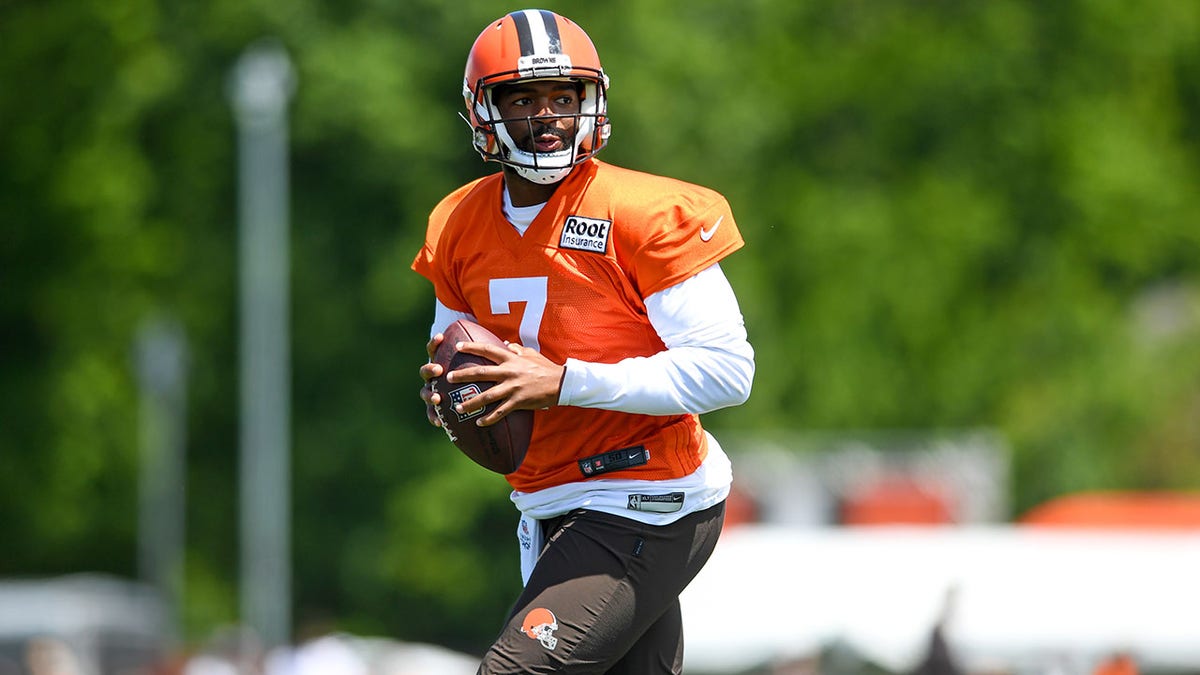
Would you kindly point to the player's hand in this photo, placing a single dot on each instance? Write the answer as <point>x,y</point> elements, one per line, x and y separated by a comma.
<point>430,370</point>
<point>524,379</point>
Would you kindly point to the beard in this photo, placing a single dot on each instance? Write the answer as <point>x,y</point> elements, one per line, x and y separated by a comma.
<point>538,130</point>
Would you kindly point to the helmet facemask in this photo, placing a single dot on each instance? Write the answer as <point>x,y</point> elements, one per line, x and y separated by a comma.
<point>495,143</point>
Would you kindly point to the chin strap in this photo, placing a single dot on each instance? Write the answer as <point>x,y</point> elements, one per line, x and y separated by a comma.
<point>542,176</point>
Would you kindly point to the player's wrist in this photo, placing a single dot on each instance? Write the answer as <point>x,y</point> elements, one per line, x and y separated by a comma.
<point>562,376</point>
<point>567,383</point>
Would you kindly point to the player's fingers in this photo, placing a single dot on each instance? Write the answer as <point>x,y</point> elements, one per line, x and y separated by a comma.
<point>431,399</point>
<point>475,374</point>
<point>431,414</point>
<point>493,416</point>
<point>497,395</point>
<point>494,353</point>
<point>432,345</point>
<point>475,403</point>
<point>429,371</point>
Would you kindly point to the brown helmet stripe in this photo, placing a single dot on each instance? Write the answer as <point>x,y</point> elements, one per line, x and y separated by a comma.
<point>537,32</point>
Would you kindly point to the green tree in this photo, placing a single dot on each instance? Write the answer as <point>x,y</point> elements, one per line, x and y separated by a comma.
<point>956,214</point>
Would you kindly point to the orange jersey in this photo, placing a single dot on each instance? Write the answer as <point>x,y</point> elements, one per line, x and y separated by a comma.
<point>573,286</point>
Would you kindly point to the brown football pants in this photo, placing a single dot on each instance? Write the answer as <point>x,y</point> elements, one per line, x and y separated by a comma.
<point>604,596</point>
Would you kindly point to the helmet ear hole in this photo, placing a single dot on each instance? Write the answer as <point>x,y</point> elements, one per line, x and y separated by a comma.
<point>483,140</point>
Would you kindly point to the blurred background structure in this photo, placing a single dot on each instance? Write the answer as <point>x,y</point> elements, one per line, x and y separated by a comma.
<point>972,278</point>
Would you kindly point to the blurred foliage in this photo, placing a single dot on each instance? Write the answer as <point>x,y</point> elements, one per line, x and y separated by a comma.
<point>956,214</point>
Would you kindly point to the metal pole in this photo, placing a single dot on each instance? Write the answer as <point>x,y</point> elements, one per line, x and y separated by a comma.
<point>161,363</point>
<point>262,86</point>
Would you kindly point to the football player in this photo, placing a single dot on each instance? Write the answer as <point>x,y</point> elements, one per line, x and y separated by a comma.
<point>623,329</point>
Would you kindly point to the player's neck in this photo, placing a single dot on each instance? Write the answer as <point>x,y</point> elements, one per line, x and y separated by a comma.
<point>521,217</point>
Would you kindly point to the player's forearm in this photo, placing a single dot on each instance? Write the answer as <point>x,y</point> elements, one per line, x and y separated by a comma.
<point>708,363</point>
<point>672,382</point>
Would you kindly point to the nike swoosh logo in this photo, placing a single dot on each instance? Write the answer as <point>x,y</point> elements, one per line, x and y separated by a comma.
<point>705,235</point>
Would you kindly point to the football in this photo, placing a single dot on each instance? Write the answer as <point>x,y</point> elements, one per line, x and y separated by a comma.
<point>500,447</point>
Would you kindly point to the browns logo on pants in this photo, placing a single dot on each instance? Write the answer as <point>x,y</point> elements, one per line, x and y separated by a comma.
<point>604,596</point>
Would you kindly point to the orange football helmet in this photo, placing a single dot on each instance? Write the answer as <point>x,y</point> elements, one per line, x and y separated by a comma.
<point>535,44</point>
